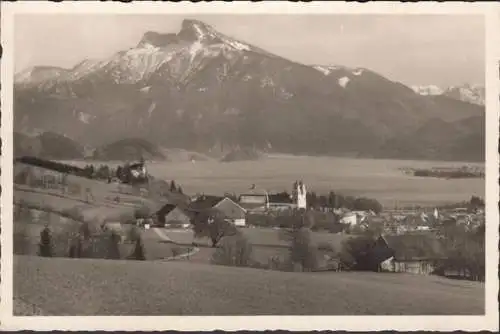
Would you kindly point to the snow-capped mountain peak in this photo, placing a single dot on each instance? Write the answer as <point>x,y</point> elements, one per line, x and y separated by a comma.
<point>194,42</point>
<point>427,90</point>
<point>471,93</point>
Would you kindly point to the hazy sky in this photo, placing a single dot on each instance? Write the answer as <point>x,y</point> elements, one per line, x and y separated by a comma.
<point>416,49</point>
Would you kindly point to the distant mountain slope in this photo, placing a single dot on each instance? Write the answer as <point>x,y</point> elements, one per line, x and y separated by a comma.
<point>440,139</point>
<point>199,89</point>
<point>244,154</point>
<point>129,149</point>
<point>47,145</point>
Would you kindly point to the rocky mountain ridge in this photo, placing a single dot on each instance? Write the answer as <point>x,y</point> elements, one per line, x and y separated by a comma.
<point>201,90</point>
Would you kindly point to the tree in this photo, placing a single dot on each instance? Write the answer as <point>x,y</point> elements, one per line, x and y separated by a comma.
<point>45,246</point>
<point>173,187</point>
<point>476,202</point>
<point>113,241</point>
<point>21,240</point>
<point>138,253</point>
<point>332,200</point>
<point>213,225</point>
<point>356,253</point>
<point>301,250</point>
<point>234,251</point>
<point>367,204</point>
<point>179,190</point>
<point>118,173</point>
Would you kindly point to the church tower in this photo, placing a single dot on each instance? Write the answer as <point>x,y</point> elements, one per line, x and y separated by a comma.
<point>299,194</point>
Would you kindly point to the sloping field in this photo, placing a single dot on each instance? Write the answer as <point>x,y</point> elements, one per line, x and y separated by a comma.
<point>100,287</point>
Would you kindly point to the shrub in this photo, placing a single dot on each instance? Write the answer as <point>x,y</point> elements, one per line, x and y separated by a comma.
<point>234,251</point>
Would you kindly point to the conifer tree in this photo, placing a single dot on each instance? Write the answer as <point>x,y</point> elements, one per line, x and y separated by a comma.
<point>45,246</point>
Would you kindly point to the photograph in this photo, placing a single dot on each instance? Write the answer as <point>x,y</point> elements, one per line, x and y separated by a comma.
<point>197,163</point>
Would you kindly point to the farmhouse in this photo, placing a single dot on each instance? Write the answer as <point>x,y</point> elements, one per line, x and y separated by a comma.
<point>138,170</point>
<point>254,201</point>
<point>416,253</point>
<point>231,210</point>
<point>171,214</point>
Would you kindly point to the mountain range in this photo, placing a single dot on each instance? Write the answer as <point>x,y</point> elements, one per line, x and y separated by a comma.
<point>201,90</point>
<point>466,92</point>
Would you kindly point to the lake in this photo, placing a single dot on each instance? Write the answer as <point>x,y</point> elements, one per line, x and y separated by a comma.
<point>380,179</point>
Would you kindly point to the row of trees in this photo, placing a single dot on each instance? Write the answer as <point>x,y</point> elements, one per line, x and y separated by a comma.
<point>84,245</point>
<point>333,200</point>
<point>71,239</point>
<point>464,251</point>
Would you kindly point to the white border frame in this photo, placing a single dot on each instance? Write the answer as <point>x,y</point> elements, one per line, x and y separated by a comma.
<point>491,11</point>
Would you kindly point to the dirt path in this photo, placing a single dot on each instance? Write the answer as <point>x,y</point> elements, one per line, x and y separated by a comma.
<point>164,237</point>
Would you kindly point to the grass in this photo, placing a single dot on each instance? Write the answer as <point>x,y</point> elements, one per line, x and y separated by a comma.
<point>99,287</point>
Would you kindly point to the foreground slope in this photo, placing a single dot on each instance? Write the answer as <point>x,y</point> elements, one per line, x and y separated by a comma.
<point>100,287</point>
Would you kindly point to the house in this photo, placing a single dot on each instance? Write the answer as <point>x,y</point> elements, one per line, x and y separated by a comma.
<point>138,170</point>
<point>349,218</point>
<point>254,201</point>
<point>232,211</point>
<point>416,253</point>
<point>171,214</point>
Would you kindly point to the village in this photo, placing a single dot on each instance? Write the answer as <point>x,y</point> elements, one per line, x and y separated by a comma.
<point>413,239</point>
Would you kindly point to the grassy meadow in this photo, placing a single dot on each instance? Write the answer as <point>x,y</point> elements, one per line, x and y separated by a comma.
<point>380,179</point>
<point>104,287</point>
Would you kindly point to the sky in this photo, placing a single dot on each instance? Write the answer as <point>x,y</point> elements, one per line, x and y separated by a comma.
<point>413,49</point>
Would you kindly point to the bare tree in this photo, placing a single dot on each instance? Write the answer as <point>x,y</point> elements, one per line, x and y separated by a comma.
<point>212,224</point>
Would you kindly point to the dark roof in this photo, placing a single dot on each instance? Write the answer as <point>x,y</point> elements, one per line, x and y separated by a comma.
<point>204,202</point>
<point>416,246</point>
<point>166,209</point>
<point>136,165</point>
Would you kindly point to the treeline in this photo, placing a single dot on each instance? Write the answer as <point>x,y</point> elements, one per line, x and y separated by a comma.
<point>448,174</point>
<point>475,203</point>
<point>464,251</point>
<point>333,200</point>
<point>75,239</point>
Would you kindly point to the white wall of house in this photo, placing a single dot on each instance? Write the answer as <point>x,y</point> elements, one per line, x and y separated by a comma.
<point>350,219</point>
<point>239,222</point>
